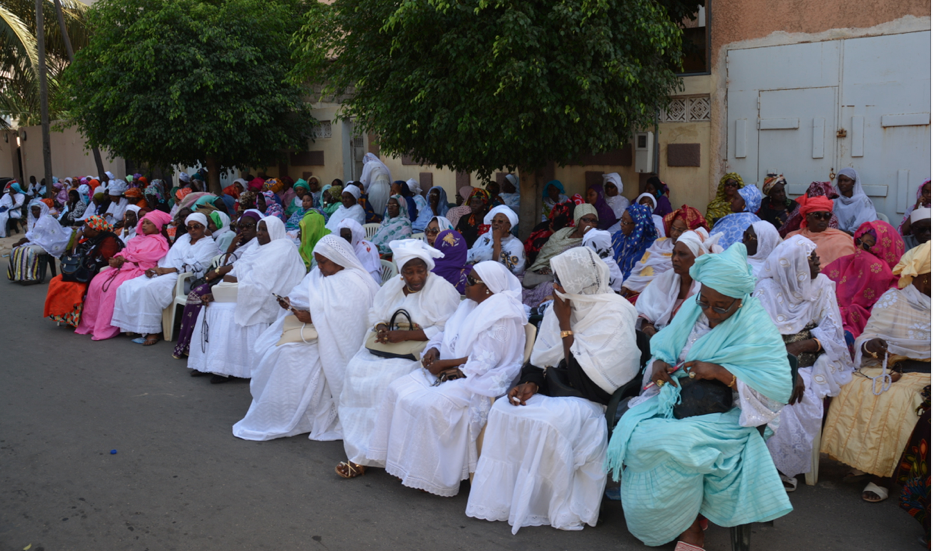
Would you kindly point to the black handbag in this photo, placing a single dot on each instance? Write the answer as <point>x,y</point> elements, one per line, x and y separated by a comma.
<point>74,268</point>
<point>702,397</point>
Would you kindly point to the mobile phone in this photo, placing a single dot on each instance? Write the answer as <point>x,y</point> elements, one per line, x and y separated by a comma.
<point>280,297</point>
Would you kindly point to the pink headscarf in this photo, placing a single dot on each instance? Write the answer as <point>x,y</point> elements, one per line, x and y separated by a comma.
<point>146,250</point>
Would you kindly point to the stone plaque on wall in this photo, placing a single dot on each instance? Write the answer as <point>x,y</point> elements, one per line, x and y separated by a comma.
<point>426,179</point>
<point>306,158</point>
<point>683,154</point>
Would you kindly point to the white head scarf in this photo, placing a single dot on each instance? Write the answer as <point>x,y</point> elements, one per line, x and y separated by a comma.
<point>600,241</point>
<point>337,250</point>
<point>923,213</point>
<point>700,244</point>
<point>352,190</point>
<point>654,201</point>
<point>357,233</point>
<point>443,223</point>
<point>414,186</point>
<point>615,179</point>
<point>853,211</point>
<point>196,217</point>
<point>514,180</point>
<point>768,239</point>
<point>184,177</point>
<point>45,230</point>
<point>407,249</point>
<point>274,226</point>
<point>116,187</point>
<point>513,218</point>
<point>789,267</point>
<point>602,321</point>
<point>84,191</point>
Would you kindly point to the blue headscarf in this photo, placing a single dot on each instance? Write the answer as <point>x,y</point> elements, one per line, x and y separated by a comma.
<point>555,183</point>
<point>629,250</point>
<point>732,226</point>
<point>15,187</point>
<point>425,215</point>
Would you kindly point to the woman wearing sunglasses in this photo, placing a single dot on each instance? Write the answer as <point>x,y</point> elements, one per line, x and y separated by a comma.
<point>683,468</point>
<point>830,242</point>
<point>863,276</point>
<point>556,420</point>
<point>428,422</point>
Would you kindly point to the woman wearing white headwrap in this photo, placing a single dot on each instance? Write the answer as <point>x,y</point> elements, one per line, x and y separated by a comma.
<point>429,299</point>
<point>612,184</point>
<point>376,180</point>
<point>295,386</point>
<point>415,187</point>
<point>760,239</point>
<point>510,192</point>
<point>127,229</point>
<point>600,241</point>
<point>118,203</point>
<point>802,303</point>
<point>853,207</point>
<point>44,236</point>
<point>663,297</point>
<point>435,227</point>
<point>219,223</point>
<point>498,243</point>
<point>545,443</point>
<point>366,252</point>
<point>349,209</point>
<point>140,301</point>
<point>426,430</point>
<point>225,331</point>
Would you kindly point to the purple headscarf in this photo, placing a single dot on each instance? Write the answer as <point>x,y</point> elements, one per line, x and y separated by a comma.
<point>452,267</point>
<point>607,217</point>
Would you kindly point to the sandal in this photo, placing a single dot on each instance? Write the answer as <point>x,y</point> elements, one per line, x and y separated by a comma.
<point>349,469</point>
<point>684,546</point>
<point>790,483</point>
<point>151,340</point>
<point>874,493</point>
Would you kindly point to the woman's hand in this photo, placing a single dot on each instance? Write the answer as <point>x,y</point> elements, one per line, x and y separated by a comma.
<point>207,299</point>
<point>649,330</point>
<point>801,347</point>
<point>303,316</point>
<point>230,279</point>
<point>708,371</point>
<point>626,292</point>
<point>430,357</point>
<point>116,262</point>
<point>21,242</point>
<point>661,373</point>
<point>799,387</point>
<point>522,393</point>
<point>285,303</point>
<point>395,336</point>
<point>876,348</point>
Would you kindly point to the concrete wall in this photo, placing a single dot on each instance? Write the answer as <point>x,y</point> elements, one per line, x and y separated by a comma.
<point>69,156</point>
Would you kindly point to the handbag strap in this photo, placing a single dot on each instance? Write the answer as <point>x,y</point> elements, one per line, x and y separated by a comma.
<point>402,311</point>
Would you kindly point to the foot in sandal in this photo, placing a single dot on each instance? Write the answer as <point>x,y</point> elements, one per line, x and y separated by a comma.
<point>151,340</point>
<point>874,493</point>
<point>692,539</point>
<point>349,469</point>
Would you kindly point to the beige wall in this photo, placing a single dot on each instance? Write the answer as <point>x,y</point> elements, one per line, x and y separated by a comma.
<point>69,156</point>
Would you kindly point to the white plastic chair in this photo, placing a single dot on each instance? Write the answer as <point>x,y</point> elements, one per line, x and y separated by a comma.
<point>813,476</point>
<point>883,217</point>
<point>371,229</point>
<point>168,315</point>
<point>388,270</point>
<point>419,236</point>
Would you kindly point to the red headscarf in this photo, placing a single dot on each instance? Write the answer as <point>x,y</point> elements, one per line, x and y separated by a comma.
<point>255,184</point>
<point>813,204</point>
<point>691,216</point>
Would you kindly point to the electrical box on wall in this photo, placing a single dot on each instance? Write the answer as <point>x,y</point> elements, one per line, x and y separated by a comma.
<point>644,152</point>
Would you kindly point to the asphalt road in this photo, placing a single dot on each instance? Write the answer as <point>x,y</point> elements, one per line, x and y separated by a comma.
<point>180,480</point>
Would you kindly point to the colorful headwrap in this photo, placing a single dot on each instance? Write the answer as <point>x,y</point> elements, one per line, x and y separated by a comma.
<point>49,203</point>
<point>720,206</point>
<point>133,192</point>
<point>629,249</point>
<point>813,204</point>
<point>98,223</point>
<point>255,184</point>
<point>888,247</point>
<point>915,262</point>
<point>182,193</point>
<point>273,208</point>
<point>752,198</point>
<point>689,215</point>
<point>273,184</point>
<point>772,181</point>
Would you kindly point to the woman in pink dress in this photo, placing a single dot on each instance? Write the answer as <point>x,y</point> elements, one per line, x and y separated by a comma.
<point>140,254</point>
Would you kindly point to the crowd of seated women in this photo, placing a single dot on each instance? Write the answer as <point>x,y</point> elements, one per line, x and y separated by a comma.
<point>427,374</point>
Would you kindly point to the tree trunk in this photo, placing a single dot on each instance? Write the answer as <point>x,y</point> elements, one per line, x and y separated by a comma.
<point>531,183</point>
<point>71,57</point>
<point>213,175</point>
<point>44,99</point>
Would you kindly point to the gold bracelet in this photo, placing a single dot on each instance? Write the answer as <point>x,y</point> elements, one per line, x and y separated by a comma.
<point>819,345</point>
<point>565,334</point>
<point>732,384</point>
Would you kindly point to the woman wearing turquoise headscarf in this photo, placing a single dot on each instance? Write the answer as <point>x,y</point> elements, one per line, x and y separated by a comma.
<point>301,188</point>
<point>745,203</point>
<point>637,233</point>
<point>680,470</point>
<point>553,194</point>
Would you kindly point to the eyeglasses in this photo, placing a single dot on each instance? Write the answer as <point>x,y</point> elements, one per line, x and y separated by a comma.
<point>718,310</point>
<point>193,226</point>
<point>471,281</point>
<point>822,215</point>
<point>429,230</point>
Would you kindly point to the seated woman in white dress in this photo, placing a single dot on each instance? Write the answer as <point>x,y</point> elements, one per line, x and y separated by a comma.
<point>802,303</point>
<point>223,338</point>
<point>427,425</point>
<point>544,448</point>
<point>662,298</point>
<point>140,301</point>
<point>760,238</point>
<point>366,252</point>
<point>44,235</point>
<point>430,300</point>
<point>296,384</point>
<point>871,421</point>
<point>498,244</point>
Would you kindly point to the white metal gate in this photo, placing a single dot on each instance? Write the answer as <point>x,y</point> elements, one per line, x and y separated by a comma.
<point>804,109</point>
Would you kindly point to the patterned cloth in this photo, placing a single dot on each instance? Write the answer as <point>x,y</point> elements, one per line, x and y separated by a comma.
<point>273,208</point>
<point>862,278</point>
<point>733,225</point>
<point>629,249</point>
<point>720,206</point>
<point>393,228</point>
<point>913,472</point>
<point>452,266</point>
<point>691,216</point>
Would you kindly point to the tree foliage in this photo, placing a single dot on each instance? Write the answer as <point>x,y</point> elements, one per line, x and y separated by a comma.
<point>189,81</point>
<point>19,70</point>
<point>481,84</point>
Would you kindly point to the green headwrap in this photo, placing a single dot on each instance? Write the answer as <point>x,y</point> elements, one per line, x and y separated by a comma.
<point>312,230</point>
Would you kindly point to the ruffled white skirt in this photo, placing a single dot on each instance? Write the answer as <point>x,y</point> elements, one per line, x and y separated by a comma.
<point>541,464</point>
<point>140,302</point>
<point>791,446</point>
<point>227,347</point>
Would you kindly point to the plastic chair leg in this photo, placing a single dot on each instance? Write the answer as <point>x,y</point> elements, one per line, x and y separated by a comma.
<point>168,321</point>
<point>814,475</point>
<point>741,537</point>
